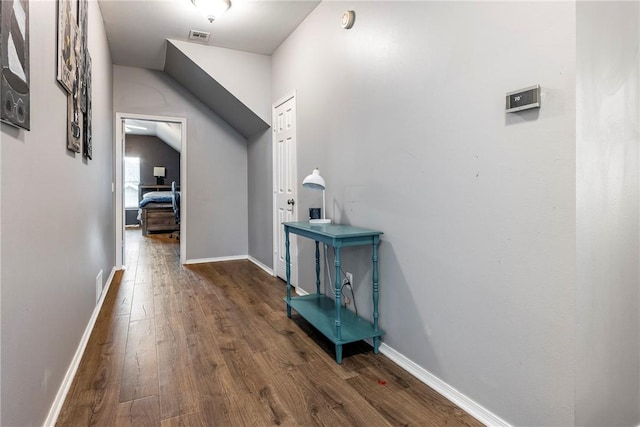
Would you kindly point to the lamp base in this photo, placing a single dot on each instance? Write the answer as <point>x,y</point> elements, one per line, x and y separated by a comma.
<point>319,221</point>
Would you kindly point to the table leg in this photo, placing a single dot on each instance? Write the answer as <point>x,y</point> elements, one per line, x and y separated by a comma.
<point>338,299</point>
<point>338,353</point>
<point>317,267</point>
<point>376,314</point>
<point>288,270</point>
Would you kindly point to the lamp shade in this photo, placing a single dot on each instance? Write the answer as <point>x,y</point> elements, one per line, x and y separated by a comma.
<point>158,171</point>
<point>314,181</point>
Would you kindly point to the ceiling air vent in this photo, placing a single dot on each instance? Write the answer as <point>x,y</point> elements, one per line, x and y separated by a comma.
<point>201,36</point>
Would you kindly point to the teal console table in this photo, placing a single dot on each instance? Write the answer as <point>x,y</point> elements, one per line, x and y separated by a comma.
<point>336,322</point>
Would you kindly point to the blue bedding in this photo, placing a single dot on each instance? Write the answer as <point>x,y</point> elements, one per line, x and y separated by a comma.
<point>155,199</point>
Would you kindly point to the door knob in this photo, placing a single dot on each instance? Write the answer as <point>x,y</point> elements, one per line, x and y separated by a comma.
<point>291,202</point>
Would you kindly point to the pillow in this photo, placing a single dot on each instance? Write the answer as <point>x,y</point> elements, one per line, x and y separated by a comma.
<point>156,194</point>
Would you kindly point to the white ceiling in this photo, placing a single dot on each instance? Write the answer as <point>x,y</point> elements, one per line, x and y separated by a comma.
<point>169,133</point>
<point>137,29</point>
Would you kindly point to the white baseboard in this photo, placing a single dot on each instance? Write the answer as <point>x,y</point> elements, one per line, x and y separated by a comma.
<point>218,259</point>
<point>301,292</point>
<point>474,409</point>
<point>261,265</point>
<point>54,412</point>
<point>105,289</point>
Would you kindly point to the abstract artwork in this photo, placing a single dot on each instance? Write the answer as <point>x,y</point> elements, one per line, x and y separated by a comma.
<point>84,51</point>
<point>74,117</point>
<point>67,40</point>
<point>74,73</point>
<point>14,63</point>
<point>86,131</point>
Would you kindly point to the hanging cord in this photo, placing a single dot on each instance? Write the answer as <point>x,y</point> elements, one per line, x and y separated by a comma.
<point>353,296</point>
<point>345,282</point>
<point>327,272</point>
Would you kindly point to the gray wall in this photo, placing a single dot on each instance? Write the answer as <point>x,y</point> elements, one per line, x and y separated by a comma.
<point>245,75</point>
<point>608,83</point>
<point>153,152</point>
<point>260,198</point>
<point>216,158</point>
<point>57,226</point>
<point>404,114</point>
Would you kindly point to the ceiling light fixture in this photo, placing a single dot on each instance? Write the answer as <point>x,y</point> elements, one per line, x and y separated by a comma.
<point>212,9</point>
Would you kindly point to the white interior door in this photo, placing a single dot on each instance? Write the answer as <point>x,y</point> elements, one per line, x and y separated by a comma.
<point>285,183</point>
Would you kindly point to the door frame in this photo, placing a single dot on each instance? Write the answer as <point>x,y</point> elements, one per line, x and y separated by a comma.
<point>118,168</point>
<point>276,226</point>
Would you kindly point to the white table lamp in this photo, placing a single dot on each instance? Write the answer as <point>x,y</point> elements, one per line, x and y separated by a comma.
<point>159,173</point>
<point>316,182</point>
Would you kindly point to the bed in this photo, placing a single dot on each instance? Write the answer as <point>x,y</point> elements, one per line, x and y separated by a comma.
<point>156,214</point>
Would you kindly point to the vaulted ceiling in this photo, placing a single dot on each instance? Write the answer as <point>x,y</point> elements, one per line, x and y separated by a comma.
<point>137,30</point>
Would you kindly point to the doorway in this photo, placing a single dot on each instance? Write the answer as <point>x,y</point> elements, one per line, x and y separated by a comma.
<point>148,165</point>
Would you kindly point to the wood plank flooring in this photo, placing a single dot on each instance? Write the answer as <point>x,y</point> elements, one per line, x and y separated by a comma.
<point>211,345</point>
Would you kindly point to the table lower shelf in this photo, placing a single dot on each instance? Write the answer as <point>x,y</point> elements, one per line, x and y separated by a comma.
<point>320,311</point>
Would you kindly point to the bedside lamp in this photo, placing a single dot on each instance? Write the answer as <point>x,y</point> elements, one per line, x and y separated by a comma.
<point>316,182</point>
<point>158,172</point>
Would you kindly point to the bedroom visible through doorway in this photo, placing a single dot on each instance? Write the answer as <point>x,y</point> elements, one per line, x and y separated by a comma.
<point>151,168</point>
<point>150,180</point>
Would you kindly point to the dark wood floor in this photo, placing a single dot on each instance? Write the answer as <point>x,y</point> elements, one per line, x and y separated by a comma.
<point>211,345</point>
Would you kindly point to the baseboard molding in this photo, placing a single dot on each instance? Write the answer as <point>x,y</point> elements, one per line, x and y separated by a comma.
<point>54,412</point>
<point>261,265</point>
<point>218,259</point>
<point>474,409</point>
<point>301,292</point>
<point>232,258</point>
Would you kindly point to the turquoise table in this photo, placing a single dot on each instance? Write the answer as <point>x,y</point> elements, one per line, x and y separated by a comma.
<point>336,322</point>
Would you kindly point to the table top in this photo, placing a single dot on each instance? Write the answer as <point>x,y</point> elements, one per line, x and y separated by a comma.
<point>334,231</point>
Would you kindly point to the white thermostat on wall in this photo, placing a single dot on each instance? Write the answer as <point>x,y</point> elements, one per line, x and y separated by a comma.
<point>523,99</point>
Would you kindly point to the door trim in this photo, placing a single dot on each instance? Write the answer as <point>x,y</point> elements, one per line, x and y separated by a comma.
<point>118,194</point>
<point>274,210</point>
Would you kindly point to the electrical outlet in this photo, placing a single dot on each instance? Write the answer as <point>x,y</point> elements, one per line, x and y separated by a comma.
<point>349,277</point>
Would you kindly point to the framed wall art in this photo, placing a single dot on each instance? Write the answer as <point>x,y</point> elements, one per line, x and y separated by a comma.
<point>82,51</point>
<point>86,131</point>
<point>67,40</point>
<point>74,118</point>
<point>15,93</point>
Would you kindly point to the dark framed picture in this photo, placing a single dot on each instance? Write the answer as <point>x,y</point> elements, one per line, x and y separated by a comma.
<point>67,39</point>
<point>74,119</point>
<point>86,131</point>
<point>84,50</point>
<point>15,93</point>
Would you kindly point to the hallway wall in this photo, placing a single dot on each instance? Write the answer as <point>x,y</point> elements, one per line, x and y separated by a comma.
<point>404,114</point>
<point>216,200</point>
<point>607,198</point>
<point>260,173</point>
<point>57,218</point>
